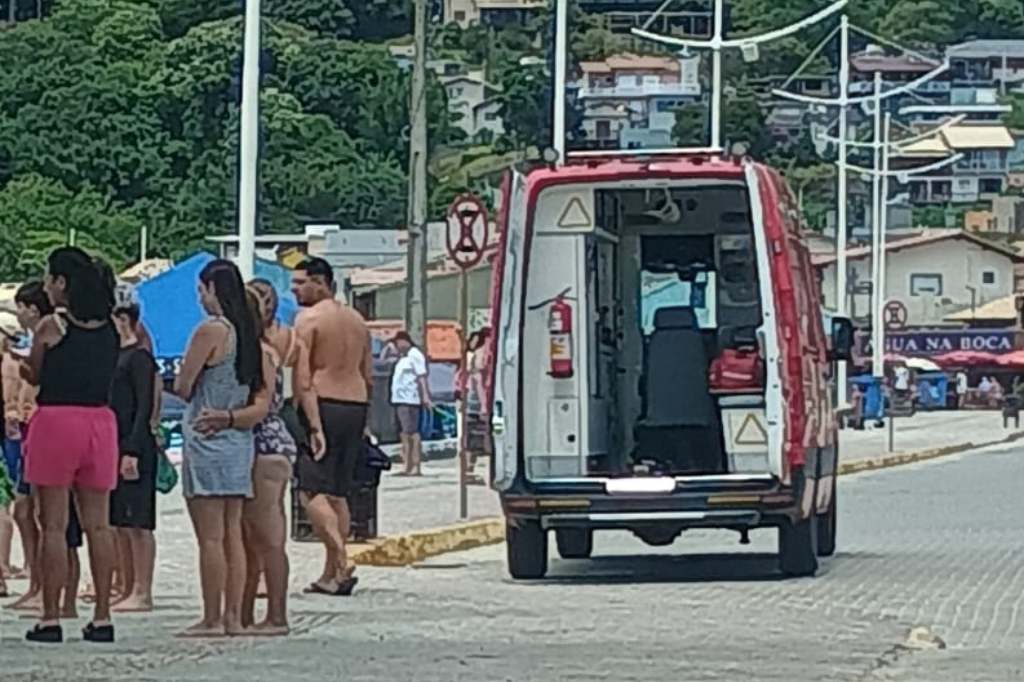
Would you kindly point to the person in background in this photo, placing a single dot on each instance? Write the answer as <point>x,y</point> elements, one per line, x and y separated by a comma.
<point>33,305</point>
<point>961,389</point>
<point>71,444</point>
<point>10,462</point>
<point>133,502</point>
<point>340,376</point>
<point>264,518</point>
<point>410,395</point>
<point>222,370</point>
<point>9,329</point>
<point>472,389</point>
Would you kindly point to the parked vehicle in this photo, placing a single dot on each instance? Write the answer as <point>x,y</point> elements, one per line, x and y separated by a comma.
<point>660,359</point>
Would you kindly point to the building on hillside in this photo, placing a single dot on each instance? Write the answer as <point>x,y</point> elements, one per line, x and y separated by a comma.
<point>933,274</point>
<point>1006,216</point>
<point>980,176</point>
<point>475,103</point>
<point>682,18</point>
<point>633,99</point>
<point>987,64</point>
<point>897,70</point>
<point>490,12</point>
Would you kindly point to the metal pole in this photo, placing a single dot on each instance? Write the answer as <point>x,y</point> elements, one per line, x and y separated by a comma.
<point>561,65</point>
<point>248,157</point>
<point>841,205</point>
<point>716,75</point>
<point>892,428</point>
<point>416,267</point>
<point>878,353</point>
<point>463,454</point>
<point>883,223</point>
<point>143,243</point>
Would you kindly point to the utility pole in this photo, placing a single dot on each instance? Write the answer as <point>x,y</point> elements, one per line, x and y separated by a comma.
<point>416,265</point>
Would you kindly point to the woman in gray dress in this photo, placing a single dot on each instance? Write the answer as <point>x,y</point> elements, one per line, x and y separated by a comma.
<point>222,370</point>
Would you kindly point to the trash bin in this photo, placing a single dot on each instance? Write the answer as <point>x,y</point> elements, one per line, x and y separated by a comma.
<point>1011,410</point>
<point>362,503</point>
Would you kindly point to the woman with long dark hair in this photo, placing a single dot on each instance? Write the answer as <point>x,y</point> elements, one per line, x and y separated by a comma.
<point>71,442</point>
<point>222,370</point>
<point>264,518</point>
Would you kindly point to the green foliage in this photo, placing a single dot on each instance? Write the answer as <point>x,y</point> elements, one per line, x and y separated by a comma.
<point>123,113</point>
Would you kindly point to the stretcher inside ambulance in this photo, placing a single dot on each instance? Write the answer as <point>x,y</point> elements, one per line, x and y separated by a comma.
<point>660,360</point>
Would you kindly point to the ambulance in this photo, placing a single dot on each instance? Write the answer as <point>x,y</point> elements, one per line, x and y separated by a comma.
<point>660,358</point>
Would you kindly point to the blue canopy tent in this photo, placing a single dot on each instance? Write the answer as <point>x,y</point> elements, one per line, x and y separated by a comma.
<point>170,304</point>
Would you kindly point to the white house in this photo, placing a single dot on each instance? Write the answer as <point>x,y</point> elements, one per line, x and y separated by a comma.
<point>933,274</point>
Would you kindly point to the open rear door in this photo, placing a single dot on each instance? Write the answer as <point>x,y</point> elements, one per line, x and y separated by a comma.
<point>507,291</point>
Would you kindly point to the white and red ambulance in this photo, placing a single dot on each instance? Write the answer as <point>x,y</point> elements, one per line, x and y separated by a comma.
<point>660,361</point>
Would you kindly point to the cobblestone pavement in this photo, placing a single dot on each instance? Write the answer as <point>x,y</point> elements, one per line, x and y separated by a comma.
<point>931,545</point>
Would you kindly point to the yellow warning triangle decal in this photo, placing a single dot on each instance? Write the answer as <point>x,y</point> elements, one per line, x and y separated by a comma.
<point>751,432</point>
<point>575,215</point>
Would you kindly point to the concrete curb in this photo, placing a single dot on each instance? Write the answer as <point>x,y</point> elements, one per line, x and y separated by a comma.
<point>411,548</point>
<point>904,458</point>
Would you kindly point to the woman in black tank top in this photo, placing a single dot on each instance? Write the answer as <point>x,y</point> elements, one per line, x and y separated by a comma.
<point>71,441</point>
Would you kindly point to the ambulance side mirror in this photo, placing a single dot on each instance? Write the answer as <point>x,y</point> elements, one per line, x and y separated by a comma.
<point>842,340</point>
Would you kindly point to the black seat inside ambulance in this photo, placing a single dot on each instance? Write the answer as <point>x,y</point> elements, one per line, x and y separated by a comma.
<point>680,424</point>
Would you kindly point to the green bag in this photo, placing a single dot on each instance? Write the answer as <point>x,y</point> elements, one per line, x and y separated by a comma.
<point>166,474</point>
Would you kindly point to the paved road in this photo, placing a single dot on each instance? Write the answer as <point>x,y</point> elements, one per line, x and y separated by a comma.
<point>935,545</point>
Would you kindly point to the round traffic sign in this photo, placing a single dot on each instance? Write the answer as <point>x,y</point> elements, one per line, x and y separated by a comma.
<point>895,315</point>
<point>466,235</point>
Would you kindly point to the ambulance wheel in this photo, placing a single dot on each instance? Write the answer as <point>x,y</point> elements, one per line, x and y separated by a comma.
<point>827,524</point>
<point>526,545</point>
<point>798,548</point>
<point>574,544</point>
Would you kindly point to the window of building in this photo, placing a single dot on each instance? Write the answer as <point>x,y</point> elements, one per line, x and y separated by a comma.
<point>491,116</point>
<point>460,16</point>
<point>926,285</point>
<point>991,185</point>
<point>988,277</point>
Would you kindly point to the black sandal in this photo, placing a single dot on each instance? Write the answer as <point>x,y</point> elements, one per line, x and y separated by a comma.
<point>103,634</point>
<point>45,634</point>
<point>343,589</point>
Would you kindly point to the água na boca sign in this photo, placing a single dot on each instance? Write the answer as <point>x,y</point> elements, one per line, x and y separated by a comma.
<point>939,342</point>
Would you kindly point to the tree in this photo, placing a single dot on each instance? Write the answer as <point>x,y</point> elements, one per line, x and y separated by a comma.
<point>743,121</point>
<point>37,214</point>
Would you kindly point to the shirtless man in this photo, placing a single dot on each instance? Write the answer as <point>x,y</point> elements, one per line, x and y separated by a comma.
<point>337,343</point>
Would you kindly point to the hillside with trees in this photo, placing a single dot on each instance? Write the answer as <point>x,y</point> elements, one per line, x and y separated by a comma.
<point>120,114</point>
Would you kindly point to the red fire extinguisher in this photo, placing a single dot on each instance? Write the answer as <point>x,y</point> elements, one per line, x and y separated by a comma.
<point>560,338</point>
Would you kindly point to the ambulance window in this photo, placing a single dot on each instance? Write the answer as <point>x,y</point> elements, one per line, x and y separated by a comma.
<point>667,290</point>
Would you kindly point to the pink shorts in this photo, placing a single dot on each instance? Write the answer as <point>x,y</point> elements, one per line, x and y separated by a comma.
<point>68,446</point>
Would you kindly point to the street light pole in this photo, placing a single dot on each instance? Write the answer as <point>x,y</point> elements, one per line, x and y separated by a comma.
<point>416,264</point>
<point>716,74</point>
<point>877,238</point>
<point>248,155</point>
<point>842,219</point>
<point>561,48</point>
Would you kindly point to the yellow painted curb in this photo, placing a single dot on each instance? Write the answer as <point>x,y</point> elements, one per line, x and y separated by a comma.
<point>902,458</point>
<point>403,550</point>
<point>411,548</point>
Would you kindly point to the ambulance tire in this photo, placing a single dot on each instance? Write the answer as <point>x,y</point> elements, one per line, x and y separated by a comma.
<point>798,548</point>
<point>827,524</point>
<point>526,547</point>
<point>575,544</point>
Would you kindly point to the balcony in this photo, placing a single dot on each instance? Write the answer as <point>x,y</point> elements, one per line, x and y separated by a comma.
<point>641,91</point>
<point>930,88</point>
<point>981,166</point>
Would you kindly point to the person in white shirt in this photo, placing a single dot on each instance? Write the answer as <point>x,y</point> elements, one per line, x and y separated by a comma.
<point>410,395</point>
<point>961,389</point>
